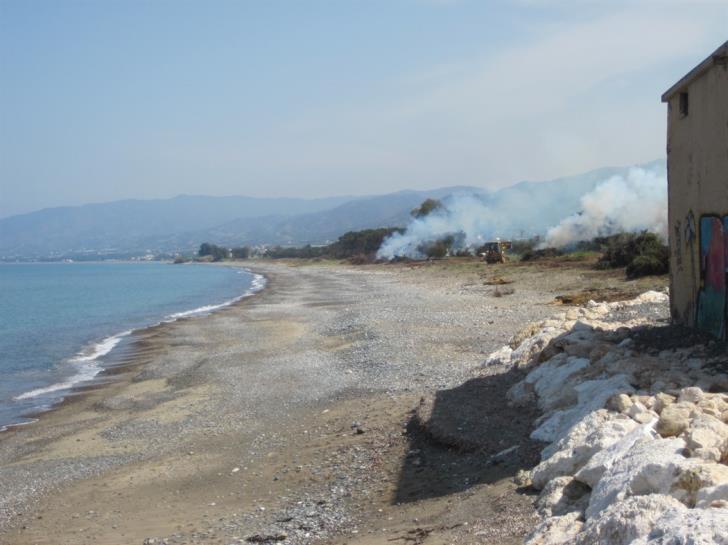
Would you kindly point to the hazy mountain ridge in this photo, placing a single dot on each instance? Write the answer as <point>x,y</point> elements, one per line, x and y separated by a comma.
<point>180,224</point>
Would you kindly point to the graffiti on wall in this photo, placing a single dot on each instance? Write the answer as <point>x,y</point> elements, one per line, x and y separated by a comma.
<point>711,305</point>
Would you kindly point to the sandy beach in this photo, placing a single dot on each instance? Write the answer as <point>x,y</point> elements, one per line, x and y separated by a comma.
<point>291,417</point>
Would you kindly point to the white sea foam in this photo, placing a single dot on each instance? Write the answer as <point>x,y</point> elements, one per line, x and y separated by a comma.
<point>257,284</point>
<point>86,366</point>
<point>86,362</point>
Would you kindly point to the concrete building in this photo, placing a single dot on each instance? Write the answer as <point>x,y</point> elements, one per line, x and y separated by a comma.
<point>697,163</point>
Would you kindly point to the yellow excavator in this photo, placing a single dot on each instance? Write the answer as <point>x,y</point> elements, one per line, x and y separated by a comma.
<point>495,252</point>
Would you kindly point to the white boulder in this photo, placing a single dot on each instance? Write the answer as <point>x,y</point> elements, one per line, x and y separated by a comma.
<point>688,527</point>
<point>623,522</point>
<point>591,396</point>
<point>712,496</point>
<point>595,432</point>
<point>562,495</point>
<point>706,432</point>
<point>649,467</point>
<point>556,530</point>
<point>606,458</point>
<point>550,381</point>
<point>499,357</point>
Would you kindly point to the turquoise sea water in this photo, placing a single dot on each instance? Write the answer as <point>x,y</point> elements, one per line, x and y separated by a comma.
<point>59,322</point>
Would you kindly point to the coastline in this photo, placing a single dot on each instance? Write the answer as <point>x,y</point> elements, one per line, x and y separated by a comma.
<point>289,403</point>
<point>96,373</point>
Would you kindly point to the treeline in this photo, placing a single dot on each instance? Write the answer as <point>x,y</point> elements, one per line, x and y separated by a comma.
<point>360,246</point>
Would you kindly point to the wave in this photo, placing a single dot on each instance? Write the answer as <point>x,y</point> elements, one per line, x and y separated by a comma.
<point>257,284</point>
<point>87,364</point>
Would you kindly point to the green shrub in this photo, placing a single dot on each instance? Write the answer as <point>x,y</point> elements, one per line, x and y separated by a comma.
<point>304,252</point>
<point>641,253</point>
<point>546,253</point>
<point>646,265</point>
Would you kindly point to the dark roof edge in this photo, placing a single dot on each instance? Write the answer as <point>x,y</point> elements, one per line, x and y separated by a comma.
<point>720,53</point>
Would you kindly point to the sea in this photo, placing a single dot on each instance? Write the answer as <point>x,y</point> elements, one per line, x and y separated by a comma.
<point>61,323</point>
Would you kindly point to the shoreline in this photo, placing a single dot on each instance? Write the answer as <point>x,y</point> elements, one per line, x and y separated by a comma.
<point>106,347</point>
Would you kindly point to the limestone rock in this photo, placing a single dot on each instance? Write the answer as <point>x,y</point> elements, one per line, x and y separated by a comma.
<point>712,496</point>
<point>499,357</point>
<point>649,467</point>
<point>523,478</point>
<point>639,413</point>
<point>674,419</point>
<point>550,381</point>
<point>591,395</point>
<point>562,495</point>
<point>689,527</point>
<point>521,394</point>
<point>706,432</point>
<point>623,522</point>
<point>525,352</point>
<point>696,476</point>
<point>556,530</point>
<point>606,458</point>
<point>662,400</point>
<point>651,297</point>
<point>691,394</point>
<point>619,403</point>
<point>595,432</point>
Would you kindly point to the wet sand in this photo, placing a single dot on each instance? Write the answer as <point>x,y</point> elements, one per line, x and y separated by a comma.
<point>288,416</point>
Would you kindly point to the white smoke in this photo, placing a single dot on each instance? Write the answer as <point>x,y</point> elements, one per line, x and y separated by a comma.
<point>466,217</point>
<point>631,203</point>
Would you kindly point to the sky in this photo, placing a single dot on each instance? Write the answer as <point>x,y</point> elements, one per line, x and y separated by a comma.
<point>104,100</point>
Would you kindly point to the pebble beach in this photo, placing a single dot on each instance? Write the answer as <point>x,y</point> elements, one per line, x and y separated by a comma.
<point>291,417</point>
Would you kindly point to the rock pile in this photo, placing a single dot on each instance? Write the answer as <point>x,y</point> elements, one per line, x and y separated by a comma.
<point>637,440</point>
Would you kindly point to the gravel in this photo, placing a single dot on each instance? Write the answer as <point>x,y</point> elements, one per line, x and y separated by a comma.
<point>318,336</point>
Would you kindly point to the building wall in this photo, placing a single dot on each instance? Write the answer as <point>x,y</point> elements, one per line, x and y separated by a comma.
<point>697,152</point>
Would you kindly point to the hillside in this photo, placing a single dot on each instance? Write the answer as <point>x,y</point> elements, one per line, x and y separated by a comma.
<point>182,223</point>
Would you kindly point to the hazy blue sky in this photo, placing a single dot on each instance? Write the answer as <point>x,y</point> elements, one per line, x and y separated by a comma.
<point>102,100</point>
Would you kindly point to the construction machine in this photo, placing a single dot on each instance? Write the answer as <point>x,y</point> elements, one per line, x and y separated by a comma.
<point>495,252</point>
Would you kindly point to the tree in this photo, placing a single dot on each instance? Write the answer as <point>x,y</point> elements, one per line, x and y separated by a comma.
<point>427,207</point>
<point>242,252</point>
<point>357,243</point>
<point>217,253</point>
<point>437,249</point>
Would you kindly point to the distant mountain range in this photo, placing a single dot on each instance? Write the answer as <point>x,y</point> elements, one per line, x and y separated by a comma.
<point>180,224</point>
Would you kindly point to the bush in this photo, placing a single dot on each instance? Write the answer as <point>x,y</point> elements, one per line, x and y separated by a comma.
<point>646,265</point>
<point>641,253</point>
<point>360,259</point>
<point>304,252</point>
<point>523,246</point>
<point>546,253</point>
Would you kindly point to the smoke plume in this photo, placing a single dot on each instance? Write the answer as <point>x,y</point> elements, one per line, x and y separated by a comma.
<point>630,203</point>
<point>465,217</point>
<point>632,200</point>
